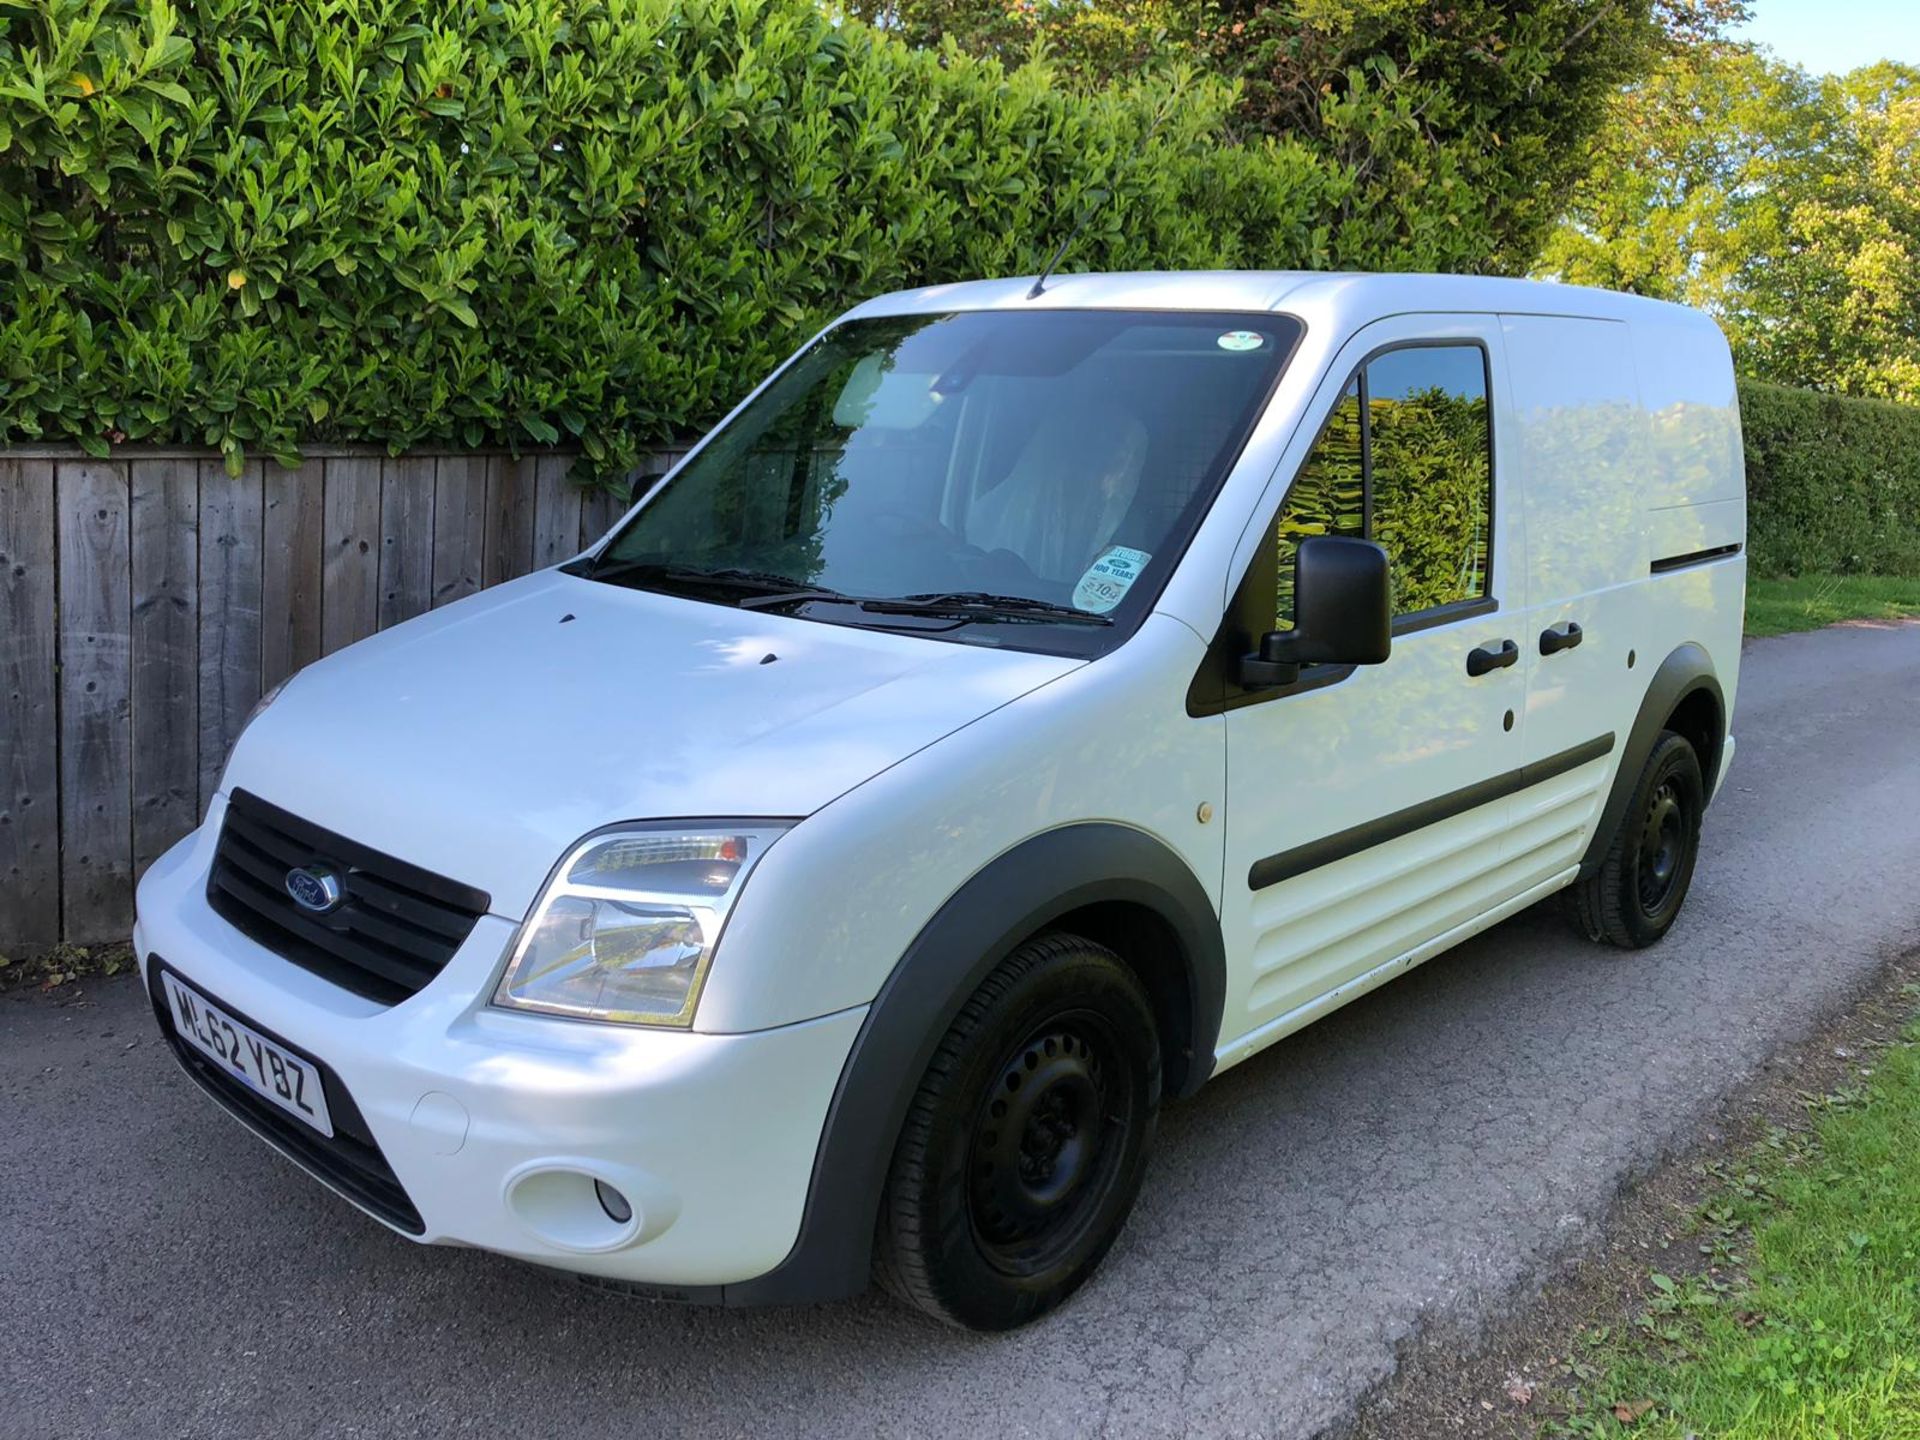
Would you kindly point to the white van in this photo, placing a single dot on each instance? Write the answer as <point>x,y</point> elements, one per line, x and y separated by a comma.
<point>1020,709</point>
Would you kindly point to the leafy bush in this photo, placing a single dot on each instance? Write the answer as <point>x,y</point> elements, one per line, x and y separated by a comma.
<point>1833,483</point>
<point>1465,125</point>
<point>431,221</point>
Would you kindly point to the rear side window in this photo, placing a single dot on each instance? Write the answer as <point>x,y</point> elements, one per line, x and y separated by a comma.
<point>1405,459</point>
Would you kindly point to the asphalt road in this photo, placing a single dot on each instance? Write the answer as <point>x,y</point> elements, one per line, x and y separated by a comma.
<point>1420,1154</point>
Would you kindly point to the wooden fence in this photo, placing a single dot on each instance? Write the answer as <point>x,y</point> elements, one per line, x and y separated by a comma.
<point>147,601</point>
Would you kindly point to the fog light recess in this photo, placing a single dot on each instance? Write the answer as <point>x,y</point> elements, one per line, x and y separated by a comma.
<point>576,1210</point>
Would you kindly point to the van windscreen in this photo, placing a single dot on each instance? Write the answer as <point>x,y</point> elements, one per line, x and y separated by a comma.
<point>1022,478</point>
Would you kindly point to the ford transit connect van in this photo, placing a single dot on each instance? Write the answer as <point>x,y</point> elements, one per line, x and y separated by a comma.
<point>1020,709</point>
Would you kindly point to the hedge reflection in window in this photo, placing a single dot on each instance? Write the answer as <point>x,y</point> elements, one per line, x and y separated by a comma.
<point>1430,472</point>
<point>1328,496</point>
<point>1416,475</point>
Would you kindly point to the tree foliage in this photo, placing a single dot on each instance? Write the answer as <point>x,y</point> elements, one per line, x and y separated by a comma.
<point>1472,115</point>
<point>428,221</point>
<point>1091,44</point>
<point>1463,125</point>
<point>1787,205</point>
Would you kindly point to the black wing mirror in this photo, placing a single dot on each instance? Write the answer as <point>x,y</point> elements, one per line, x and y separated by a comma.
<point>641,484</point>
<point>1342,613</point>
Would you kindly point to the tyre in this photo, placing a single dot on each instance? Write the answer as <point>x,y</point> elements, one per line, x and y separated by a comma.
<point>1632,899</point>
<point>1024,1146</point>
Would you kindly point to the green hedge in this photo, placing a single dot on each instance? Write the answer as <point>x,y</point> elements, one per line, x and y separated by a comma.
<point>426,221</point>
<point>1833,483</point>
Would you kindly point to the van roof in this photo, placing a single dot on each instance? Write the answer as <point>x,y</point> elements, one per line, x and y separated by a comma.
<point>1312,294</point>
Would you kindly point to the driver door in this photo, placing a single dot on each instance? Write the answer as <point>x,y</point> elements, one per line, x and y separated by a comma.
<point>1365,804</point>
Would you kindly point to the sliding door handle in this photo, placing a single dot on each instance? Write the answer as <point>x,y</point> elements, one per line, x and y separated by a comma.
<point>1492,657</point>
<point>1556,638</point>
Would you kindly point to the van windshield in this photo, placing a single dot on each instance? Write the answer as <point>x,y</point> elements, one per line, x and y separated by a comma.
<point>1022,479</point>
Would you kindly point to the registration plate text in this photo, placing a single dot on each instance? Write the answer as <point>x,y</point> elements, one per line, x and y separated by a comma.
<point>248,1056</point>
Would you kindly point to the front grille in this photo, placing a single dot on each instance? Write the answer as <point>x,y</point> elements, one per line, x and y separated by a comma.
<point>394,929</point>
<point>350,1162</point>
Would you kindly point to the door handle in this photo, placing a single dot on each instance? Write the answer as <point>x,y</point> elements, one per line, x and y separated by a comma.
<point>1556,638</point>
<point>1492,657</point>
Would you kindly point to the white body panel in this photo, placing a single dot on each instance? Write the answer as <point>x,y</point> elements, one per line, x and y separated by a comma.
<point>484,740</point>
<point>642,706</point>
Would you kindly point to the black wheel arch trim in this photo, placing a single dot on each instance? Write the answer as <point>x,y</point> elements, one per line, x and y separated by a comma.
<point>1688,670</point>
<point>1014,896</point>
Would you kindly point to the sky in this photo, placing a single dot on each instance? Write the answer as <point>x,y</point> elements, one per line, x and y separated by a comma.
<point>1836,35</point>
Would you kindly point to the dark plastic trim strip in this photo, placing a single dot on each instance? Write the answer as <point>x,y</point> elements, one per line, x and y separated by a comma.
<point>350,1164</point>
<point>1415,621</point>
<point>1691,558</point>
<point>1338,846</point>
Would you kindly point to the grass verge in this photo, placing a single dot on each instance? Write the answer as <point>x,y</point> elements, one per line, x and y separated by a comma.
<point>1801,1317</point>
<point>1806,602</point>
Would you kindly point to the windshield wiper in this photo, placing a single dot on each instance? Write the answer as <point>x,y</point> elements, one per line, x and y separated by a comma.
<point>761,587</point>
<point>766,590</point>
<point>982,605</point>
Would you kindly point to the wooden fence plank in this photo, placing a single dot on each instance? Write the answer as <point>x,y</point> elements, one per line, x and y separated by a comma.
<point>459,526</point>
<point>230,585</point>
<point>556,513</point>
<point>406,538</point>
<point>509,541</point>
<point>599,508</point>
<point>96,740</point>
<point>29,709</point>
<point>165,696</point>
<point>350,568</point>
<point>146,601</point>
<point>294,527</point>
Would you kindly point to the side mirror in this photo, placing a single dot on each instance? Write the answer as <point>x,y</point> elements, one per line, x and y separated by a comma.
<point>1342,613</point>
<point>641,484</point>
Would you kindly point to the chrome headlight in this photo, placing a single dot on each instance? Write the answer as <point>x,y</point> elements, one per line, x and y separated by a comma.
<point>626,927</point>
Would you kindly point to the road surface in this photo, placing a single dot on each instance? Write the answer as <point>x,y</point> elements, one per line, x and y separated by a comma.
<point>1418,1155</point>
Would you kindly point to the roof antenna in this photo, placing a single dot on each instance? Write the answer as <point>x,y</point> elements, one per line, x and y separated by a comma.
<point>1095,199</point>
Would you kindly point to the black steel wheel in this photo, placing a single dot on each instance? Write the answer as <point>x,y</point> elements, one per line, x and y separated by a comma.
<point>1047,1144</point>
<point>1026,1141</point>
<point>1663,846</point>
<point>1632,899</point>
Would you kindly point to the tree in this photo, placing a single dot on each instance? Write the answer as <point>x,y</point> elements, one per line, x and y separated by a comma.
<point>1834,301</point>
<point>1462,124</point>
<point>1787,206</point>
<point>1495,99</point>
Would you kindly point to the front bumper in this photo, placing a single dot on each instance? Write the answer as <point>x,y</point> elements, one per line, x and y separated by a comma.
<point>494,1125</point>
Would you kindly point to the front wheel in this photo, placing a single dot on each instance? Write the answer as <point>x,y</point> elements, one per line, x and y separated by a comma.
<point>1025,1144</point>
<point>1632,899</point>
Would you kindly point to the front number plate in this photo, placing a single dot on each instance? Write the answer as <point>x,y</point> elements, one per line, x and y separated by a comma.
<point>249,1057</point>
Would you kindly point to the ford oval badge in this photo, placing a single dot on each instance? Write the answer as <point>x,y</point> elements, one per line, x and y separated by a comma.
<point>314,888</point>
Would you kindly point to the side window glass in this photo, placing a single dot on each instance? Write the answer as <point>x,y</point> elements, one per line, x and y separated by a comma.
<point>1328,496</point>
<point>1430,472</point>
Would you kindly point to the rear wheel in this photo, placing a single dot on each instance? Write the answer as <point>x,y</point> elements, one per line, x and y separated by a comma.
<point>1026,1141</point>
<point>1632,899</point>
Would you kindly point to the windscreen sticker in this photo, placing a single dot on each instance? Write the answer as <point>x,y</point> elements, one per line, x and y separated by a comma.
<point>1108,579</point>
<point>1241,340</point>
